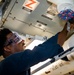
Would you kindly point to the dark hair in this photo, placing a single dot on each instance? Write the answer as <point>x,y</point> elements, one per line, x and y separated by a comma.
<point>3,33</point>
<point>71,21</point>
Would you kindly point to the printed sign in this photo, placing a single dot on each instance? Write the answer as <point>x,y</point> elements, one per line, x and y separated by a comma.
<point>30,5</point>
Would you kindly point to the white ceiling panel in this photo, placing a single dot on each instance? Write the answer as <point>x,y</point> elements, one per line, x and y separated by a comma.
<point>25,28</point>
<point>20,20</point>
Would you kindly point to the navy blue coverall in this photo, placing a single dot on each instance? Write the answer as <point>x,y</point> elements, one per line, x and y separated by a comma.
<point>20,63</point>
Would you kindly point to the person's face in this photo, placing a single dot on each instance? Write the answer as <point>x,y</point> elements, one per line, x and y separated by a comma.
<point>14,43</point>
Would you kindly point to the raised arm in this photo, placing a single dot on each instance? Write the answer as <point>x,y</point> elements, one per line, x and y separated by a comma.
<point>62,35</point>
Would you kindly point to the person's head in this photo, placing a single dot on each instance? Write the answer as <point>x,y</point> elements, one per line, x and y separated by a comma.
<point>10,42</point>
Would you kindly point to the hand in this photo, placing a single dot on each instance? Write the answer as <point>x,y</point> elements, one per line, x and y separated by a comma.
<point>71,27</point>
